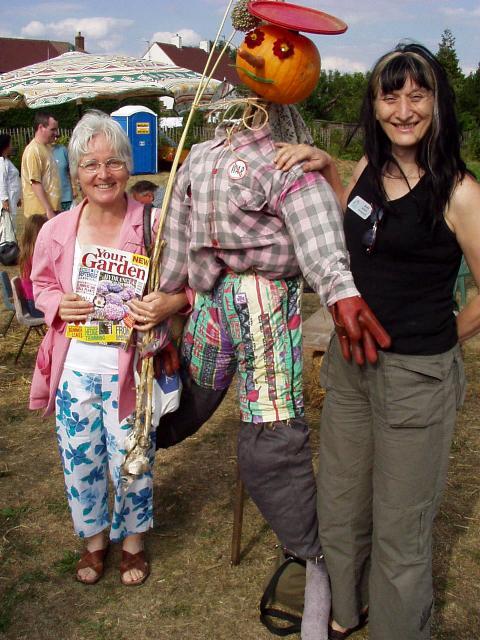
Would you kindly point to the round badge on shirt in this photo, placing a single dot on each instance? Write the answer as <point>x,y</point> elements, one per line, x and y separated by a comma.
<point>237,170</point>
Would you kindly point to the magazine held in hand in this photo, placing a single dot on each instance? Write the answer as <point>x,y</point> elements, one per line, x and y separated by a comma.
<point>108,278</point>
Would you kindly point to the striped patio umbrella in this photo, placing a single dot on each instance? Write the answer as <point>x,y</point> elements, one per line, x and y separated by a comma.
<point>77,76</point>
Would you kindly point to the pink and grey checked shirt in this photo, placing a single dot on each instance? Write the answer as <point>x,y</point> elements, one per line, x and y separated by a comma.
<point>232,208</point>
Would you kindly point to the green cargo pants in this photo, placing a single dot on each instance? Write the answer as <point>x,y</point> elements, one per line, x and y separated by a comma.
<point>385,438</point>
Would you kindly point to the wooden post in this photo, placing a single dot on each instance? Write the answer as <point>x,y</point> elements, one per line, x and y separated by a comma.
<point>237,519</point>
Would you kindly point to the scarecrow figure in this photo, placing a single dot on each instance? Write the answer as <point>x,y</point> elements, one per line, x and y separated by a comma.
<point>242,233</point>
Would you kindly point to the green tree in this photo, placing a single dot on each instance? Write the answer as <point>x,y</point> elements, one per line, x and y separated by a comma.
<point>192,136</point>
<point>68,114</point>
<point>448,57</point>
<point>337,97</point>
<point>468,101</point>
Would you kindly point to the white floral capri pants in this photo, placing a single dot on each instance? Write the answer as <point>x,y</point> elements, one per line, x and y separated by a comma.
<point>91,440</point>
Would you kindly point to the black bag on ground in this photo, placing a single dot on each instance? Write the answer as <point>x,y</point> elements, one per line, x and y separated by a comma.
<point>9,252</point>
<point>281,606</point>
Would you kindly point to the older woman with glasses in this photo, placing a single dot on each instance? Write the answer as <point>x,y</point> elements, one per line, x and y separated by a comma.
<point>91,386</point>
<point>411,210</point>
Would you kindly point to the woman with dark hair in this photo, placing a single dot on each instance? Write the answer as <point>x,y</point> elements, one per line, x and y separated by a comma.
<point>10,185</point>
<point>410,212</point>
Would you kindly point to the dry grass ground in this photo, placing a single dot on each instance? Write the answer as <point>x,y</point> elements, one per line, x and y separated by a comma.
<point>193,592</point>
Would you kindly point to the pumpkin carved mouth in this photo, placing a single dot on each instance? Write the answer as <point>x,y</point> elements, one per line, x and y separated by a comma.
<point>252,76</point>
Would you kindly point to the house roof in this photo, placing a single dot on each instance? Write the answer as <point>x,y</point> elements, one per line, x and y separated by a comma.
<point>16,53</point>
<point>195,59</point>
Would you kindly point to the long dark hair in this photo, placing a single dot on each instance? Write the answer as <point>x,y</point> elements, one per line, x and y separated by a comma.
<point>32,227</point>
<point>438,153</point>
<point>5,140</point>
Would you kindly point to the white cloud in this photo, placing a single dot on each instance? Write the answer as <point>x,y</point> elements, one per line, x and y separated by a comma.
<point>451,11</point>
<point>57,7</point>
<point>342,64</point>
<point>34,29</point>
<point>102,32</point>
<point>189,37</point>
<point>460,12</point>
<point>112,44</point>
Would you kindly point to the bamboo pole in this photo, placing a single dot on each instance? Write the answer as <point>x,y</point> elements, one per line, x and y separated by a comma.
<point>136,461</point>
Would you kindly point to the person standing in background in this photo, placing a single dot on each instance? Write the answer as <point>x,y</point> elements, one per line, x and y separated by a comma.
<point>40,179</point>
<point>10,184</point>
<point>60,154</point>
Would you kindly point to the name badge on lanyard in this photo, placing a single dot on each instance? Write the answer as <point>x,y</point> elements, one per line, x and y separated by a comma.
<point>361,207</point>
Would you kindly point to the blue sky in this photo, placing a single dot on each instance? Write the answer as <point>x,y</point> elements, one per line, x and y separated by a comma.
<point>125,27</point>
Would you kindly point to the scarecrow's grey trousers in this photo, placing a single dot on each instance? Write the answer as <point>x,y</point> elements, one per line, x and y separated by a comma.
<point>385,438</point>
<point>276,467</point>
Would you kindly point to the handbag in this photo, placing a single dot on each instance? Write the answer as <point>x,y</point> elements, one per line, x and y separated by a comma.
<point>9,249</point>
<point>9,252</point>
<point>284,589</point>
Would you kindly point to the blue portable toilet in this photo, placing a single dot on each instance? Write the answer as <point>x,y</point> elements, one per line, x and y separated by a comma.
<point>140,125</point>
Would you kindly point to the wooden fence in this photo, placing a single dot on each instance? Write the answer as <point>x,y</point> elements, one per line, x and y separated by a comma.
<point>324,133</point>
<point>21,136</point>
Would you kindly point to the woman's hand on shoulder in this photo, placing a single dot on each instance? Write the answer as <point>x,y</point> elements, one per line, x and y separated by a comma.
<point>73,308</point>
<point>156,307</point>
<point>313,159</point>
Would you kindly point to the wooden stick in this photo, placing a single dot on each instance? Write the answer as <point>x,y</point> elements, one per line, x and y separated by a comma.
<point>237,519</point>
<point>143,419</point>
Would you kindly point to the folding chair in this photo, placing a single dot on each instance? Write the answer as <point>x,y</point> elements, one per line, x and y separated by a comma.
<point>7,299</point>
<point>23,317</point>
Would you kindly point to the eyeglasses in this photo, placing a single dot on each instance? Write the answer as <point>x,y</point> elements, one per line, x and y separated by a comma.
<point>370,236</point>
<point>93,166</point>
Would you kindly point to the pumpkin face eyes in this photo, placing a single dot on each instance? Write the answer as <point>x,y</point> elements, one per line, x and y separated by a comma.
<point>254,38</point>
<point>280,65</point>
<point>283,49</point>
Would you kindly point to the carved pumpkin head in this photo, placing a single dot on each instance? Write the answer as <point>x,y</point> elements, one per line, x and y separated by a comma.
<point>278,64</point>
<point>274,60</point>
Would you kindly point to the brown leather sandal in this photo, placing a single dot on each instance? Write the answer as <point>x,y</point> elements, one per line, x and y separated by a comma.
<point>333,634</point>
<point>134,561</point>
<point>92,560</point>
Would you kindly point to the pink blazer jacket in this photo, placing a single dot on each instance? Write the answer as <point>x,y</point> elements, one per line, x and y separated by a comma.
<point>52,277</point>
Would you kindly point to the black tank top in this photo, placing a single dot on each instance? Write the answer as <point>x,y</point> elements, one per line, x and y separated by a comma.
<point>408,278</point>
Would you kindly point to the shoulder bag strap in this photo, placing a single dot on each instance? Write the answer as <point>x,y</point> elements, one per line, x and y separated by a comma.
<point>267,612</point>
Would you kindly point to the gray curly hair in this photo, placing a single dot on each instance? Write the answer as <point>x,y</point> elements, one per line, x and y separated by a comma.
<point>92,124</point>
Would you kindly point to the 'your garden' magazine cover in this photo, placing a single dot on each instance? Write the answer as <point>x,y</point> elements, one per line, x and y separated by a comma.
<point>108,278</point>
